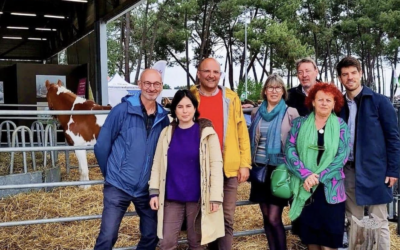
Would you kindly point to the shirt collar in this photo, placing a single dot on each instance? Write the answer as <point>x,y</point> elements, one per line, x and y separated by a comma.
<point>212,94</point>
<point>303,91</point>
<point>356,98</point>
<point>144,108</point>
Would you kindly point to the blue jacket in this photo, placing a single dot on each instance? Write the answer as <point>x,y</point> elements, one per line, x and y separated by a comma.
<point>377,147</point>
<point>123,150</point>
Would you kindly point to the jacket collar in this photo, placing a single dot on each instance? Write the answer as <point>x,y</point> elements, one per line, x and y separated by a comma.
<point>203,123</point>
<point>135,106</point>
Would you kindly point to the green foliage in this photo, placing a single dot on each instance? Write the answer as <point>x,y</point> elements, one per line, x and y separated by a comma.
<point>253,90</point>
<point>166,86</point>
<point>278,33</point>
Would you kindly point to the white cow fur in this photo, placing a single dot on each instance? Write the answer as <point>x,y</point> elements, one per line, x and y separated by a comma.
<point>79,141</point>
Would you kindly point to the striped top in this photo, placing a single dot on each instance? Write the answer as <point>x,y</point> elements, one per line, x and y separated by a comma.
<point>261,158</point>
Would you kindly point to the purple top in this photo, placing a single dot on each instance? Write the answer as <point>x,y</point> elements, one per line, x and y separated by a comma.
<point>183,170</point>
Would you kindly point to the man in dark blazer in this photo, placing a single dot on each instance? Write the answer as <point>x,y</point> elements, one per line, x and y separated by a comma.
<point>373,166</point>
<point>307,72</point>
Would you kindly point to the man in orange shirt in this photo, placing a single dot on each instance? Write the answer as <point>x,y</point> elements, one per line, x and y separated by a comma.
<point>223,107</point>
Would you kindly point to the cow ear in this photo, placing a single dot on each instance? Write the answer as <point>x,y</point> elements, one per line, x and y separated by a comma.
<point>59,83</point>
<point>47,84</point>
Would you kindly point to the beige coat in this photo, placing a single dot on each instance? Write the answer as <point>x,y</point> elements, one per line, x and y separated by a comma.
<point>212,224</point>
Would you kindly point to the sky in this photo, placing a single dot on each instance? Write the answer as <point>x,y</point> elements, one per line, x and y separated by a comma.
<point>176,76</point>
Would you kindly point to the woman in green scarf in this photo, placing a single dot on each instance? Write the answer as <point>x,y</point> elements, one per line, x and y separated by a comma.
<point>269,128</point>
<point>316,150</point>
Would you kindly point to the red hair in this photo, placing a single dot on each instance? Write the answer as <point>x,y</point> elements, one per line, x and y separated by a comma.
<point>327,88</point>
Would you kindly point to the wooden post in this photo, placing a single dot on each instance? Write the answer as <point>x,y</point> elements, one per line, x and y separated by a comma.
<point>364,234</point>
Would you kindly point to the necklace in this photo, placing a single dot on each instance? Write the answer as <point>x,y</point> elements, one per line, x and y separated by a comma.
<point>321,131</point>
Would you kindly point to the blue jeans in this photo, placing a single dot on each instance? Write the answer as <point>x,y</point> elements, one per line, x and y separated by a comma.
<point>116,202</point>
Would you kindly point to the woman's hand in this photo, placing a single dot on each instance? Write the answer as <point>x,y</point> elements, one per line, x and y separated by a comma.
<point>310,182</point>
<point>214,207</point>
<point>154,203</point>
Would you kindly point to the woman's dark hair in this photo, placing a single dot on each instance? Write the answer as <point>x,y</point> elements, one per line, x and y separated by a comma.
<point>179,95</point>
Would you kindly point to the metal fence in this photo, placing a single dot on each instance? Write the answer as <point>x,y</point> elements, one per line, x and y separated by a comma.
<point>42,145</point>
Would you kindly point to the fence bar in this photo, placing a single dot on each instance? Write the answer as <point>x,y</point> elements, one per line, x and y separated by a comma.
<point>71,219</point>
<point>55,148</point>
<point>54,112</point>
<point>51,184</point>
<point>235,234</point>
<point>56,220</point>
<point>24,105</point>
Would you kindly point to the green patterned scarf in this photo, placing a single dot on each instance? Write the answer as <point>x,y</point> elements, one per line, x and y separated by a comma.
<point>307,148</point>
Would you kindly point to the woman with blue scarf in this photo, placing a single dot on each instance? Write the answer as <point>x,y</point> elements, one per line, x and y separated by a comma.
<point>269,128</point>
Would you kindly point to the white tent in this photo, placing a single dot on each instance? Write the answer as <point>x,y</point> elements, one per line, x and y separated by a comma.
<point>118,88</point>
<point>117,80</point>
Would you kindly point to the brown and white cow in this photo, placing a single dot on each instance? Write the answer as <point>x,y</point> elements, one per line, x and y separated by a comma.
<point>79,130</point>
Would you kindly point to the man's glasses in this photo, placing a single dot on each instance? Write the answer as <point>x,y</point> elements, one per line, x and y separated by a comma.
<point>302,73</point>
<point>207,71</point>
<point>156,85</point>
<point>277,89</point>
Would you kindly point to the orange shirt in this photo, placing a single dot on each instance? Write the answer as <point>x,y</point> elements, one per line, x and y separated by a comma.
<point>211,108</point>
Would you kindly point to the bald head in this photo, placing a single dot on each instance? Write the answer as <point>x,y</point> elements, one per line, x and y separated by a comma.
<point>209,74</point>
<point>207,61</point>
<point>150,73</point>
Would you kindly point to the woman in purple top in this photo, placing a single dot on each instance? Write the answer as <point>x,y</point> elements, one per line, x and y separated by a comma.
<point>187,178</point>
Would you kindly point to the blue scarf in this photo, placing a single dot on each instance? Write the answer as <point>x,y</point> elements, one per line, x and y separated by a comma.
<point>273,142</point>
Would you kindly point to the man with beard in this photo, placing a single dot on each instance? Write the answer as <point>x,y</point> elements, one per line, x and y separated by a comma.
<point>373,165</point>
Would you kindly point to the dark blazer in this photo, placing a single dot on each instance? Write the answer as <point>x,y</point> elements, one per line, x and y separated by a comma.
<point>377,147</point>
<point>296,99</point>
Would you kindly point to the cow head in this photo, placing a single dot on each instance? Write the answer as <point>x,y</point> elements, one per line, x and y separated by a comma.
<point>51,95</point>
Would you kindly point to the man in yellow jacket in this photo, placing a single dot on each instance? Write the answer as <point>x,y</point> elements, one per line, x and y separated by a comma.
<point>223,107</point>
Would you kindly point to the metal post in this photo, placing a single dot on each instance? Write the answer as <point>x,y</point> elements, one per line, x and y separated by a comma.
<point>101,63</point>
<point>245,57</point>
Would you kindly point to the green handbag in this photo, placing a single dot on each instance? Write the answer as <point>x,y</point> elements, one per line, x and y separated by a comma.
<point>280,182</point>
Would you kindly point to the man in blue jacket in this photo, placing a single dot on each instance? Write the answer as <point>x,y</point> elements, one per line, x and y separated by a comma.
<point>373,165</point>
<point>125,150</point>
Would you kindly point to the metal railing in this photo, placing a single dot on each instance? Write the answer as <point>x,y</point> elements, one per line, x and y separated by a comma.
<point>99,182</point>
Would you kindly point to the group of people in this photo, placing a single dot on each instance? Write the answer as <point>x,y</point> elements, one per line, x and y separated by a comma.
<point>343,153</point>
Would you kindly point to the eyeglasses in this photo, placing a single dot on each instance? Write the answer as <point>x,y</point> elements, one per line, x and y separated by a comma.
<point>156,85</point>
<point>277,89</point>
<point>302,73</point>
<point>207,71</point>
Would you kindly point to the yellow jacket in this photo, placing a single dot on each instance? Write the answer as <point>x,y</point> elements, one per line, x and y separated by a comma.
<point>212,224</point>
<point>236,142</point>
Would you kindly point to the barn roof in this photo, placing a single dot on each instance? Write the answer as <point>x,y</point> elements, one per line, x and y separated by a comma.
<point>39,29</point>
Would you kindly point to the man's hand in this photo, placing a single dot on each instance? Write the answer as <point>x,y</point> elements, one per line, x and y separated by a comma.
<point>214,207</point>
<point>243,174</point>
<point>310,182</point>
<point>390,181</point>
<point>154,203</point>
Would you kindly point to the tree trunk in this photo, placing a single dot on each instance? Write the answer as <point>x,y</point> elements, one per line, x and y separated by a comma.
<point>270,60</point>
<point>383,78</point>
<point>206,27</point>
<point>180,64</point>
<point>187,54</point>
<point>126,49</point>
<point>226,64</point>
<point>255,74</point>
<point>263,66</point>
<point>142,42</point>
<point>379,75</point>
